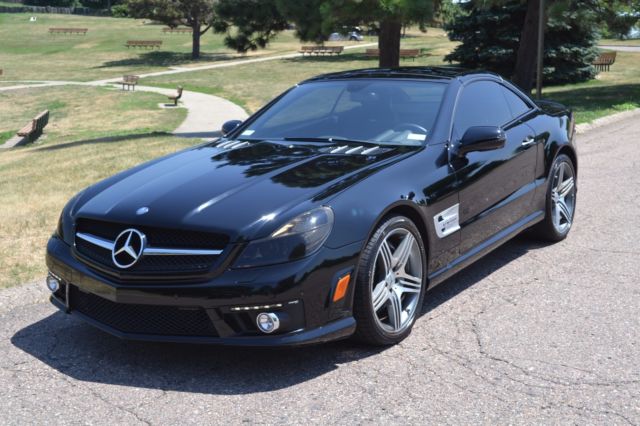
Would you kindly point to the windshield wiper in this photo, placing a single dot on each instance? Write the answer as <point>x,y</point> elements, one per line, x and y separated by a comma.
<point>332,140</point>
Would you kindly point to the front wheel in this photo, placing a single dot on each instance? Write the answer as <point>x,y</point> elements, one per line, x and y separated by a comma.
<point>560,202</point>
<point>390,285</point>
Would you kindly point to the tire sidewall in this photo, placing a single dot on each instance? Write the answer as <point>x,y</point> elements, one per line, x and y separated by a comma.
<point>365,271</point>
<point>562,158</point>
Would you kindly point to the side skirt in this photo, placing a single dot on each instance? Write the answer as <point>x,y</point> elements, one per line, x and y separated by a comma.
<point>483,248</point>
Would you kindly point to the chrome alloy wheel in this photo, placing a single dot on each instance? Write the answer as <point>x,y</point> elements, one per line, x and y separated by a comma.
<point>396,281</point>
<point>563,198</point>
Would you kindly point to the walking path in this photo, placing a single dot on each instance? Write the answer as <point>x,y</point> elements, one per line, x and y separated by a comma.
<point>206,113</point>
<point>620,48</point>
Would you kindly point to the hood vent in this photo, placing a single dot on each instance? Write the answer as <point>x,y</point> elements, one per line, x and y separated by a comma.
<point>232,144</point>
<point>351,150</point>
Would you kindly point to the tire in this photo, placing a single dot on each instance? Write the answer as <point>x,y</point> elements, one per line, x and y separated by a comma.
<point>558,220</point>
<point>402,290</point>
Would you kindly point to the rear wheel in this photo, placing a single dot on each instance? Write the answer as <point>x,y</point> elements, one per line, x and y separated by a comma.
<point>561,201</point>
<point>391,283</point>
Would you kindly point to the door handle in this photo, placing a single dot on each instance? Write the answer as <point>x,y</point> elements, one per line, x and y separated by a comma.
<point>530,140</point>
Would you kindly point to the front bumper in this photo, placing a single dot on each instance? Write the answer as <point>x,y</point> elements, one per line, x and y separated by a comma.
<point>223,306</point>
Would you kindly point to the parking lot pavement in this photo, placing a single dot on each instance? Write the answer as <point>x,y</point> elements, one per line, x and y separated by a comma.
<point>530,334</point>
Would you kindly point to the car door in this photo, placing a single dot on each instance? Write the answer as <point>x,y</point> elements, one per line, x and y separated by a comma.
<point>496,188</point>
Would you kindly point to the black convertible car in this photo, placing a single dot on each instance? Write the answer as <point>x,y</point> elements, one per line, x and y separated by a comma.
<point>328,213</point>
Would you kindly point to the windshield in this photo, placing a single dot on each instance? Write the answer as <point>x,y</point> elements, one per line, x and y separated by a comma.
<point>375,111</point>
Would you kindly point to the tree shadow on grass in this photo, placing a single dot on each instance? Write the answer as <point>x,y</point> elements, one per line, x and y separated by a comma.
<point>165,59</point>
<point>587,99</point>
<point>78,350</point>
<point>105,139</point>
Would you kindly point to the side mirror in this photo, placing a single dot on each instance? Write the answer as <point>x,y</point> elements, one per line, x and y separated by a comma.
<point>481,138</point>
<point>230,126</point>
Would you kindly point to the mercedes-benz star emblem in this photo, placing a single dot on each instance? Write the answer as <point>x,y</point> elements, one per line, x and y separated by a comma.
<point>128,248</point>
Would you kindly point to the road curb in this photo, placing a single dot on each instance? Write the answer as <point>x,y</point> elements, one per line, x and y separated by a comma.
<point>609,119</point>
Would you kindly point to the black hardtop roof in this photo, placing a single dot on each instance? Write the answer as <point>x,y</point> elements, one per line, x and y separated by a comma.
<point>419,73</point>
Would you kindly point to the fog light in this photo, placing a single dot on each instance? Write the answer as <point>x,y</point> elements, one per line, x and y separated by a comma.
<point>268,322</point>
<point>53,283</point>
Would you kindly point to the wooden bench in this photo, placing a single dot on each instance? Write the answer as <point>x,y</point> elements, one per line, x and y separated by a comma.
<point>82,31</point>
<point>33,130</point>
<point>176,97</point>
<point>321,50</point>
<point>129,81</point>
<point>144,43</point>
<point>178,30</point>
<point>604,61</point>
<point>404,53</point>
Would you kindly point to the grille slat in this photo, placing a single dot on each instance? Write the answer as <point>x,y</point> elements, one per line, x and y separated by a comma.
<point>143,319</point>
<point>156,237</point>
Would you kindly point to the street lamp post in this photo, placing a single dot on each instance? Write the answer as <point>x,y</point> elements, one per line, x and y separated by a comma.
<point>540,49</point>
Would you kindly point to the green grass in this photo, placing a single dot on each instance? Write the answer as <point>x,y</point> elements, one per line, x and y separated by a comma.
<point>85,113</point>
<point>614,91</point>
<point>617,42</point>
<point>28,51</point>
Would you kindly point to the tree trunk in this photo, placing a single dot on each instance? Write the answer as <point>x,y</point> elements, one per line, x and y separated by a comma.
<point>195,49</point>
<point>389,42</point>
<point>525,71</point>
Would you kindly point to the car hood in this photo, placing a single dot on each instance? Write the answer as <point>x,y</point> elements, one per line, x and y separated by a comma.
<point>233,190</point>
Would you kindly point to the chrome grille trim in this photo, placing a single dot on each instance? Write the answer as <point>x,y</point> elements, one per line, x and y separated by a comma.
<point>148,251</point>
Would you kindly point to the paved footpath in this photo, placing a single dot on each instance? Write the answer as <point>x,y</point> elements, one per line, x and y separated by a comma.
<point>620,48</point>
<point>532,334</point>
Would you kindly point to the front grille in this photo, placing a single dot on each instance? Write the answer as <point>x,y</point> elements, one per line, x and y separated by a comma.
<point>143,319</point>
<point>156,237</point>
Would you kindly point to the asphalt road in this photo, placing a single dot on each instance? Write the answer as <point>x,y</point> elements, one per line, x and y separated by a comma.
<point>530,334</point>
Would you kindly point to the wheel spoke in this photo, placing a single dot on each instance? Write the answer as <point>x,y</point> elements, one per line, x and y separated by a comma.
<point>560,176</point>
<point>563,210</point>
<point>394,309</point>
<point>402,253</point>
<point>380,296</point>
<point>385,254</point>
<point>565,188</point>
<point>409,284</point>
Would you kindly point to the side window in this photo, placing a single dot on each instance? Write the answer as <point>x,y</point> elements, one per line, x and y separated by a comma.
<point>481,104</point>
<point>516,104</point>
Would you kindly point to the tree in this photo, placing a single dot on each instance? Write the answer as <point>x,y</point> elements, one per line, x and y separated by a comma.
<point>492,38</point>
<point>620,16</point>
<point>197,14</point>
<point>315,20</point>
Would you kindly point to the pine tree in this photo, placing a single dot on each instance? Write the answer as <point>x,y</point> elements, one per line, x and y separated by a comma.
<point>491,36</point>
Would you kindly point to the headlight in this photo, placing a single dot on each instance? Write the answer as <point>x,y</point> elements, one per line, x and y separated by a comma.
<point>60,227</point>
<point>298,238</point>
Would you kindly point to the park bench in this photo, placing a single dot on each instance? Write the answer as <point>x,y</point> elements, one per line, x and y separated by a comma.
<point>176,97</point>
<point>404,53</point>
<point>321,50</point>
<point>82,31</point>
<point>129,81</point>
<point>33,130</point>
<point>178,30</point>
<point>604,61</point>
<point>144,43</point>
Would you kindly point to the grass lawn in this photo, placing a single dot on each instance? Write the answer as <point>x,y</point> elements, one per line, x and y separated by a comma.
<point>37,182</point>
<point>80,113</point>
<point>27,51</point>
<point>614,91</point>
